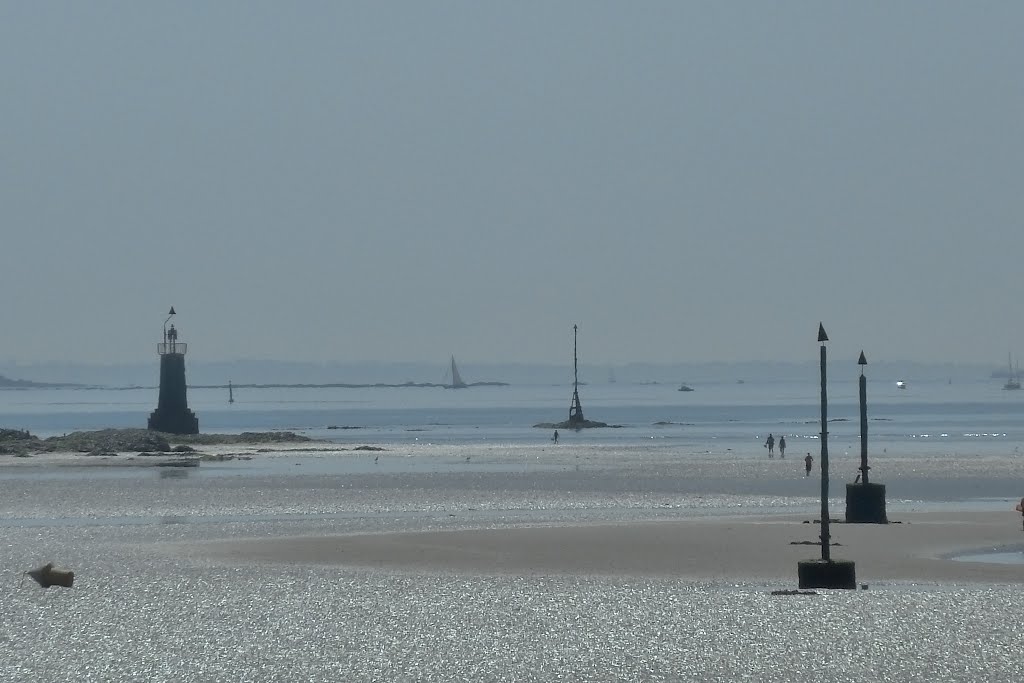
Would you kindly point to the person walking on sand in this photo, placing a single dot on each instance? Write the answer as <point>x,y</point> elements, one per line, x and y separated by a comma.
<point>808,463</point>
<point>782,446</point>
<point>555,437</point>
<point>770,444</point>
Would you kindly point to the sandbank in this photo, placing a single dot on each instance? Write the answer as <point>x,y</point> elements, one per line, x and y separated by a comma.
<point>918,549</point>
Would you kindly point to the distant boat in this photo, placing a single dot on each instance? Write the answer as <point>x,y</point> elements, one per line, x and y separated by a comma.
<point>457,382</point>
<point>900,384</point>
<point>1013,379</point>
<point>231,393</point>
<point>683,387</point>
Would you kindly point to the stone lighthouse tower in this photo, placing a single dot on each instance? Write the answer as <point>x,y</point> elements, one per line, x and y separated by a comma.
<point>172,414</point>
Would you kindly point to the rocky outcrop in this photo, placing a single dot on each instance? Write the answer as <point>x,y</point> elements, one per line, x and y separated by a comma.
<point>15,441</point>
<point>244,437</point>
<point>109,441</point>
<point>579,424</point>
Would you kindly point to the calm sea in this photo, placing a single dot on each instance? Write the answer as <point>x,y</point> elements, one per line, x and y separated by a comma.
<point>928,417</point>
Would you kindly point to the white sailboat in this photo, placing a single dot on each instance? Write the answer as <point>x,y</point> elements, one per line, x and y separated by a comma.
<point>1013,379</point>
<point>457,382</point>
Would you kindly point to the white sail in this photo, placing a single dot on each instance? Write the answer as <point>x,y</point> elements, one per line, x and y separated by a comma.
<point>457,382</point>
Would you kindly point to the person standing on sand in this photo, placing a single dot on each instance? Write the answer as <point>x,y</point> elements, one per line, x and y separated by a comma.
<point>770,443</point>
<point>808,463</point>
<point>555,437</point>
<point>782,446</point>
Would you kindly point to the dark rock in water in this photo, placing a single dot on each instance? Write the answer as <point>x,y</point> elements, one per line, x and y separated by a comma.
<point>17,442</point>
<point>109,441</point>
<point>244,437</point>
<point>112,441</point>
<point>222,457</point>
<point>181,462</point>
<point>581,424</point>
<point>183,449</point>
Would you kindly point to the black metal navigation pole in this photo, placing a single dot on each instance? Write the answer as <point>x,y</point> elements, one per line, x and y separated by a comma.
<point>865,502</point>
<point>575,409</point>
<point>171,315</point>
<point>826,572</point>
<point>862,361</point>
<point>825,537</point>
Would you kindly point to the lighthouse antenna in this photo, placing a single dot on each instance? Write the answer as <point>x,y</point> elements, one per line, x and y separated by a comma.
<point>575,362</point>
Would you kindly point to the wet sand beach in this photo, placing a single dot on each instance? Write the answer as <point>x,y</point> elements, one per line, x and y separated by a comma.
<point>499,563</point>
<point>918,549</point>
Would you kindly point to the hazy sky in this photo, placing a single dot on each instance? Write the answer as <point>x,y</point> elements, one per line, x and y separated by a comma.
<point>687,181</point>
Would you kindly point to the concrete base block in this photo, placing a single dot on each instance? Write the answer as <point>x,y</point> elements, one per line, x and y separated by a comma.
<point>831,574</point>
<point>865,504</point>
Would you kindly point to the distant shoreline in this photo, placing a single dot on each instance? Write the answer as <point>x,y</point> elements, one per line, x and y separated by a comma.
<point>8,383</point>
<point>343,385</point>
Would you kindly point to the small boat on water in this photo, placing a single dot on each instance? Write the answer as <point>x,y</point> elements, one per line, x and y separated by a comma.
<point>457,382</point>
<point>900,384</point>
<point>1013,379</point>
<point>684,387</point>
<point>231,393</point>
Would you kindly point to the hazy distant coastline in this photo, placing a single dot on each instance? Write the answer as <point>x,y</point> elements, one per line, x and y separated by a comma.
<point>343,385</point>
<point>8,383</point>
<point>280,374</point>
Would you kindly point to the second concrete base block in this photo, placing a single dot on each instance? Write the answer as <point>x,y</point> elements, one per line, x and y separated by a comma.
<point>827,574</point>
<point>865,504</point>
